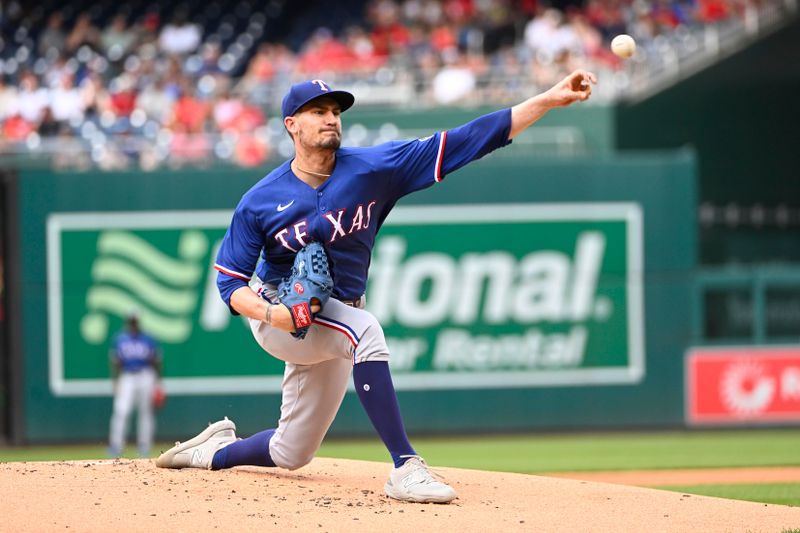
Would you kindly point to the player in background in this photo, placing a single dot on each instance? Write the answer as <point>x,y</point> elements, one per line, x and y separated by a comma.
<point>338,197</point>
<point>135,359</point>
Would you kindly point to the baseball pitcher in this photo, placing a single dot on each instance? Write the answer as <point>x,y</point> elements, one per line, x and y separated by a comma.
<point>312,221</point>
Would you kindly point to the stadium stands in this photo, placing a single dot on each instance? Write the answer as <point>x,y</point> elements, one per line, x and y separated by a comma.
<point>125,83</point>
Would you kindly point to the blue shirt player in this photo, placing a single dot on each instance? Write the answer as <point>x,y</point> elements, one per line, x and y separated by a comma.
<point>339,197</point>
<point>136,369</point>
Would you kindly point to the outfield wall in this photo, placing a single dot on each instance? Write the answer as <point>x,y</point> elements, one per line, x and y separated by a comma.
<point>517,294</point>
<point>746,140</point>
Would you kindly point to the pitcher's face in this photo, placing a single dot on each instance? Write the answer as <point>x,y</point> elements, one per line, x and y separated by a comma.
<point>317,125</point>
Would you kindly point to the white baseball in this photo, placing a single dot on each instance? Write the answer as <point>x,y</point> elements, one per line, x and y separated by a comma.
<point>623,46</point>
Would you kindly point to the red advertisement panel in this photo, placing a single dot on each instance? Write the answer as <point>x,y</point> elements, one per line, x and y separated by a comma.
<point>743,385</point>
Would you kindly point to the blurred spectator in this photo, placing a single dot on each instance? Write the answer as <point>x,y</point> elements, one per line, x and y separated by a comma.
<point>174,77</point>
<point>664,15</point>
<point>117,40</point>
<point>268,74</point>
<point>147,32</point>
<point>388,34</point>
<point>324,53</point>
<point>499,29</point>
<point>249,119</point>
<point>189,113</point>
<point>32,100</point>
<point>180,36</point>
<point>93,93</point>
<point>226,111</point>
<point>510,77</point>
<point>251,151</point>
<point>456,81</point>
<point>48,126</point>
<point>362,50</point>
<point>262,66</point>
<point>84,32</point>
<point>643,27</point>
<point>589,39</point>
<point>59,67</point>
<point>233,115</point>
<point>528,7</point>
<point>429,12</point>
<point>709,11</point>
<point>66,101</point>
<point>443,39</point>
<point>209,60</point>
<point>155,101</point>
<point>459,11</point>
<point>541,30</point>
<point>550,35</point>
<point>53,37</point>
<point>188,148</point>
<point>145,65</point>
<point>685,10</point>
<point>270,62</point>
<point>606,16</point>
<point>122,99</point>
<point>9,104</point>
<point>17,128</point>
<point>418,42</point>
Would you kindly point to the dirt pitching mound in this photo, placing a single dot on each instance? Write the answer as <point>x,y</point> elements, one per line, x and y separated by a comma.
<point>343,495</point>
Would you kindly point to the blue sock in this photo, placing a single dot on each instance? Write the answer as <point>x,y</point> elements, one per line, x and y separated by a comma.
<point>374,386</point>
<point>253,450</point>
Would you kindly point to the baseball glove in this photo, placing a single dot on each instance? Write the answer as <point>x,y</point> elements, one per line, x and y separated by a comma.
<point>159,397</point>
<point>309,282</point>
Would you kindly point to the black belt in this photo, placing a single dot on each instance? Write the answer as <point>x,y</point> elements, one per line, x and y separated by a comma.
<point>353,303</point>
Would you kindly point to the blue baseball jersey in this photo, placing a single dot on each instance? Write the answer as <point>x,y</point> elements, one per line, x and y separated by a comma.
<point>281,213</point>
<point>134,351</point>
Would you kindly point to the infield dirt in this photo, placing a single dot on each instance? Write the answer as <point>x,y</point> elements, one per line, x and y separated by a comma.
<point>345,495</point>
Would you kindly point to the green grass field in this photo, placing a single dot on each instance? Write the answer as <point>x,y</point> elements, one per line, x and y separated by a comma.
<point>780,493</point>
<point>564,453</point>
<point>586,451</point>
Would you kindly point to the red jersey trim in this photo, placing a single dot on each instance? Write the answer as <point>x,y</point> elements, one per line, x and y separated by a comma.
<point>440,157</point>
<point>231,273</point>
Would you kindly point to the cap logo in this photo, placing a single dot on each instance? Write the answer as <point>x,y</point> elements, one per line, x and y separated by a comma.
<point>322,86</point>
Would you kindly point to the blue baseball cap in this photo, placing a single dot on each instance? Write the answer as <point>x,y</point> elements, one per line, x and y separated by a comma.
<point>302,93</point>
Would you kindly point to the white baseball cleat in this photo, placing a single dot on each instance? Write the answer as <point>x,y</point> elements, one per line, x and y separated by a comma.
<point>413,482</point>
<point>199,451</point>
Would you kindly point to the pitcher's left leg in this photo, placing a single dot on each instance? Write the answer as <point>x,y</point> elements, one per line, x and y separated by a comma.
<point>312,396</point>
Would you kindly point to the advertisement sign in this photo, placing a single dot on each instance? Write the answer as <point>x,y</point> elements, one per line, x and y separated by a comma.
<point>502,295</point>
<point>743,385</point>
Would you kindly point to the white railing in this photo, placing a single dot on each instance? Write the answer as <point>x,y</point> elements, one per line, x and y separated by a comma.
<point>270,142</point>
